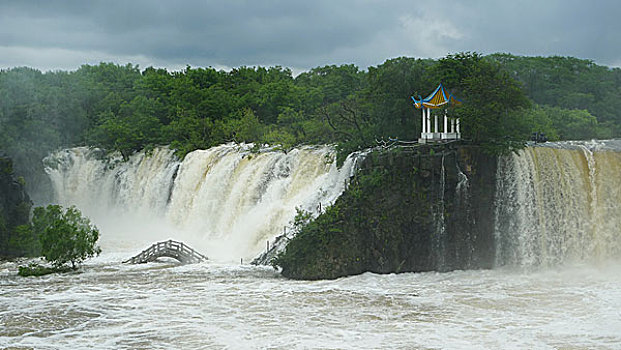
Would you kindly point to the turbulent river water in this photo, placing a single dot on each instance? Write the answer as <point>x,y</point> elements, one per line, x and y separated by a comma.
<point>213,306</point>
<point>557,283</point>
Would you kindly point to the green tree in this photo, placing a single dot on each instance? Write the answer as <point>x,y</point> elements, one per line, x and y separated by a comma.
<point>334,83</point>
<point>134,128</point>
<point>562,124</point>
<point>493,101</point>
<point>189,133</point>
<point>570,83</point>
<point>248,128</point>
<point>65,235</point>
<point>389,89</point>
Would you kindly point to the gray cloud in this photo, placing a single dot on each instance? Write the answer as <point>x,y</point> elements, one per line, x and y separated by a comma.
<point>65,34</point>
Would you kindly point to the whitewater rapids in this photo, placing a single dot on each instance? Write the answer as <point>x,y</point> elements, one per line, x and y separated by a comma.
<point>110,305</point>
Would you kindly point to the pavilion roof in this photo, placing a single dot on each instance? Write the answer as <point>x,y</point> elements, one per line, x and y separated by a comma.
<point>437,99</point>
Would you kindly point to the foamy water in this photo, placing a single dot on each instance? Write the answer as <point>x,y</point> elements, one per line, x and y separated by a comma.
<point>209,306</point>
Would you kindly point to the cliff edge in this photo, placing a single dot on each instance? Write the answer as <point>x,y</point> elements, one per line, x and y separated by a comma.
<point>406,210</point>
<point>14,208</point>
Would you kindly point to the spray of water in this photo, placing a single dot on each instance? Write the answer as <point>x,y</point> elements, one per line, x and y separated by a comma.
<point>226,201</point>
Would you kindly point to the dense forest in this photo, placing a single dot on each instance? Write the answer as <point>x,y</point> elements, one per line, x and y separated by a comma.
<point>126,109</point>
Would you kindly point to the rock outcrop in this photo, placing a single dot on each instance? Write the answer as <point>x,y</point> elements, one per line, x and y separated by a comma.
<point>422,209</point>
<point>14,207</point>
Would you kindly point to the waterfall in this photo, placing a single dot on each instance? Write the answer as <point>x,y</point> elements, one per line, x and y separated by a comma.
<point>559,203</point>
<point>440,236</point>
<point>225,201</point>
<point>554,203</point>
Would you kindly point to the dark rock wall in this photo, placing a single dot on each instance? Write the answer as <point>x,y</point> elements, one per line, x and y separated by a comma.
<point>14,206</point>
<point>430,208</point>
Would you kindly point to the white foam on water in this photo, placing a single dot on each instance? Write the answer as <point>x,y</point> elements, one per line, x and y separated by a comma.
<point>210,305</point>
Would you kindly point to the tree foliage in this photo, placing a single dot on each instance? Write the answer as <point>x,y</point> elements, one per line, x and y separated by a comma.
<point>492,101</point>
<point>571,84</point>
<point>65,235</point>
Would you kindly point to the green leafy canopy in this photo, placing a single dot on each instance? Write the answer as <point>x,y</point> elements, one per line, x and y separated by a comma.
<point>65,235</point>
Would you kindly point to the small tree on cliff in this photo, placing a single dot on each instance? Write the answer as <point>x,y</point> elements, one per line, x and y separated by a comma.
<point>65,236</point>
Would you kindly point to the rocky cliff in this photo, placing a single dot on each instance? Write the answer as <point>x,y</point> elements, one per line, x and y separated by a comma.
<point>14,208</point>
<point>422,209</point>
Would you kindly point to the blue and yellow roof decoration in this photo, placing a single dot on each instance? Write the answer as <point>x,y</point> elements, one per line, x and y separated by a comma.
<point>438,99</point>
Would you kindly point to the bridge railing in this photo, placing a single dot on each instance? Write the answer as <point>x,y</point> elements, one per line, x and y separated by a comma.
<point>177,250</point>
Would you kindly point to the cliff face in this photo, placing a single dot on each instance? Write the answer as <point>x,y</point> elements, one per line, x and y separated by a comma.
<point>14,207</point>
<point>406,210</point>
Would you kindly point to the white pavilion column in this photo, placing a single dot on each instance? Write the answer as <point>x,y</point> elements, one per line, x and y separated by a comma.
<point>445,130</point>
<point>435,123</point>
<point>423,129</point>
<point>428,120</point>
<point>458,125</point>
<point>453,125</point>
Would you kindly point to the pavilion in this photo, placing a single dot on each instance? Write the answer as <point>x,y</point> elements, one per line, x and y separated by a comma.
<point>440,99</point>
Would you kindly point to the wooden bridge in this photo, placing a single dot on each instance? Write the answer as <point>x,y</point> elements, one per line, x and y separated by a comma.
<point>171,249</point>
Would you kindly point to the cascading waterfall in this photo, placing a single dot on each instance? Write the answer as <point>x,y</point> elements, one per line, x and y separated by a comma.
<point>556,203</point>
<point>463,201</point>
<point>559,203</point>
<point>225,201</point>
<point>439,238</point>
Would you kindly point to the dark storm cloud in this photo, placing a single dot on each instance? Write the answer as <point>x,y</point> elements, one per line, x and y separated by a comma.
<point>55,34</point>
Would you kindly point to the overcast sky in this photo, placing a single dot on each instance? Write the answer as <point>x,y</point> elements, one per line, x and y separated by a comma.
<point>63,35</point>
